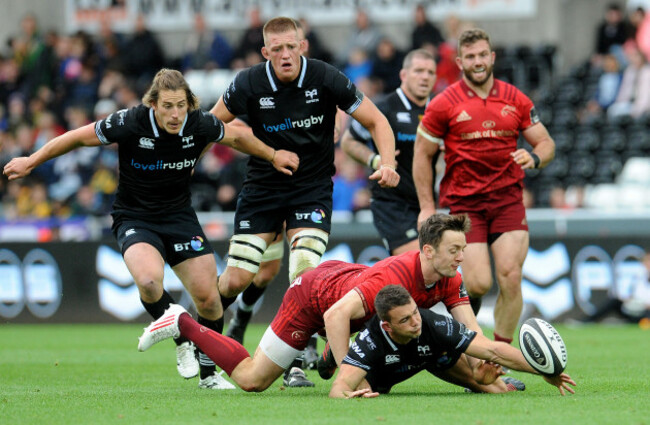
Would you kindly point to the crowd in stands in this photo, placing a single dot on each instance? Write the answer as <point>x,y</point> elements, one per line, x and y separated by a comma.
<point>52,82</point>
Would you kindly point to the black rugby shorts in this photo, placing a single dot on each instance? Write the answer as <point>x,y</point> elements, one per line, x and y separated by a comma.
<point>396,221</point>
<point>263,210</point>
<point>178,236</point>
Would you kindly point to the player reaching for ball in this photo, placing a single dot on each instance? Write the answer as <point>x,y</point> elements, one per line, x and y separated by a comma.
<point>403,339</point>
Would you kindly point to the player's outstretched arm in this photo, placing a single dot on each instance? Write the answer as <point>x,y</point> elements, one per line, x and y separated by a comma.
<point>243,140</point>
<point>350,383</point>
<point>22,166</point>
<point>509,356</point>
<point>337,323</point>
<point>426,146</point>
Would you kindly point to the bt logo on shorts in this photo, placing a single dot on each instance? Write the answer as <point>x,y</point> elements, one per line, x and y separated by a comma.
<point>196,244</point>
<point>288,124</point>
<point>315,216</point>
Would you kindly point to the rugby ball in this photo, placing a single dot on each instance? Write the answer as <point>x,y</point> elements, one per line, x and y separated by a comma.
<point>542,347</point>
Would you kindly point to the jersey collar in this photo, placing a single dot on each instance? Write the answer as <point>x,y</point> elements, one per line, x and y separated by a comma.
<point>154,126</point>
<point>405,100</point>
<point>270,74</point>
<point>471,93</point>
<point>388,340</point>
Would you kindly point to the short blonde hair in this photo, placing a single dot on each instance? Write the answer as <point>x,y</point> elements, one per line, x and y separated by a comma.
<point>279,25</point>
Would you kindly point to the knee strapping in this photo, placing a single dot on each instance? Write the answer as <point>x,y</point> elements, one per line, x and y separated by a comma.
<point>307,248</point>
<point>275,251</point>
<point>246,252</point>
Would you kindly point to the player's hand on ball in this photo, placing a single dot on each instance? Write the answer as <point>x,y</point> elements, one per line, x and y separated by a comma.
<point>285,162</point>
<point>562,382</point>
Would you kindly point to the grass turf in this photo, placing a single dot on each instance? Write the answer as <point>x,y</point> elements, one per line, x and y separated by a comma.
<point>93,374</point>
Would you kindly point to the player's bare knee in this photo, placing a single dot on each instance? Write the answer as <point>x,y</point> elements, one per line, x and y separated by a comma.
<point>149,289</point>
<point>510,289</point>
<point>478,287</point>
<point>253,384</point>
<point>207,306</point>
<point>307,248</point>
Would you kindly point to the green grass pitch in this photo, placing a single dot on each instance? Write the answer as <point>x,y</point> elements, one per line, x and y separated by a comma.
<point>93,374</point>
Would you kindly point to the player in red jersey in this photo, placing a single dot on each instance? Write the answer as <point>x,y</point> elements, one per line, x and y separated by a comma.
<point>339,297</point>
<point>479,120</point>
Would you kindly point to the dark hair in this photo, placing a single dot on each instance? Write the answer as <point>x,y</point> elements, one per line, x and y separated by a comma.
<point>169,79</point>
<point>279,25</point>
<point>471,36</point>
<point>388,298</point>
<point>421,53</point>
<point>433,227</point>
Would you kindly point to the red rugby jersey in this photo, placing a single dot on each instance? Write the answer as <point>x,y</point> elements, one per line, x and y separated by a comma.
<point>337,278</point>
<point>479,136</point>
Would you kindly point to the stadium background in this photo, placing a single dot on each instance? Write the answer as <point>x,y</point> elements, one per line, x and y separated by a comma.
<point>583,263</point>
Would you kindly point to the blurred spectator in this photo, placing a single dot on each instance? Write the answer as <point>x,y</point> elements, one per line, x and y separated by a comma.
<point>86,202</point>
<point>205,49</point>
<point>143,56</point>
<point>365,37</point>
<point>557,199</point>
<point>447,71</point>
<point>9,75</point>
<point>424,31</point>
<point>314,48</point>
<point>358,66</point>
<point>634,93</point>
<point>350,188</point>
<point>33,56</point>
<point>109,46</point>
<point>386,65</point>
<point>252,40</point>
<point>607,89</point>
<point>575,196</point>
<point>611,33</point>
<point>634,20</point>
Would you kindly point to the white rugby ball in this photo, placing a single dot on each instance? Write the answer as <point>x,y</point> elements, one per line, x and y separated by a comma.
<point>542,346</point>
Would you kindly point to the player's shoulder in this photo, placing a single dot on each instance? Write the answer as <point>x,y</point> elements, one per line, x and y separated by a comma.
<point>453,95</point>
<point>137,118</point>
<point>389,102</point>
<point>319,72</point>
<point>316,66</point>
<point>509,92</point>
<point>250,79</point>
<point>199,118</point>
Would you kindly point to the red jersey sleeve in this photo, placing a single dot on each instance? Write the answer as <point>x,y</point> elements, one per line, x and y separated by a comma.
<point>455,292</point>
<point>369,289</point>
<point>527,112</point>
<point>436,119</point>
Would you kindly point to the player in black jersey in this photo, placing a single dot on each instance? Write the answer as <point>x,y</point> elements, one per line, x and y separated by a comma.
<point>159,144</point>
<point>291,103</point>
<point>402,340</point>
<point>395,211</point>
